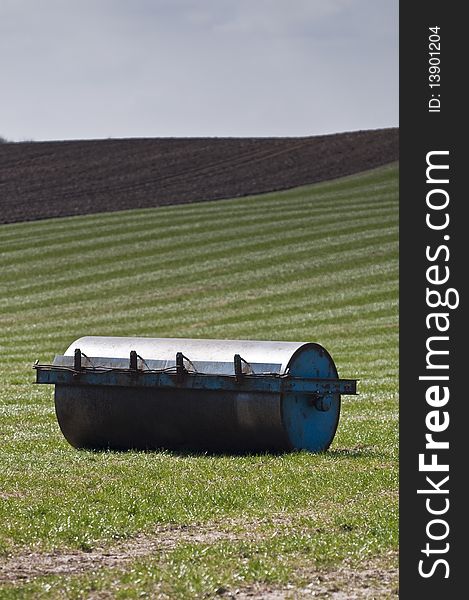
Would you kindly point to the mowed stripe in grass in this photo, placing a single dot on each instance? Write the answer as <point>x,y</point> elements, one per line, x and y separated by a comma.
<point>315,263</point>
<point>276,249</point>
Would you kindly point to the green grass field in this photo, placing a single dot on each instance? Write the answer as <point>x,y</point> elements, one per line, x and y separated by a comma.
<point>315,263</point>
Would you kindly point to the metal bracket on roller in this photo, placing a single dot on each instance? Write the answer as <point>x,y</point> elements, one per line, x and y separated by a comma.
<point>77,361</point>
<point>133,362</point>
<point>238,367</point>
<point>180,368</point>
<point>65,371</point>
<point>183,366</point>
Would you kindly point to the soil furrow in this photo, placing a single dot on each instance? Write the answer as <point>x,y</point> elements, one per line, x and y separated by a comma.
<point>41,180</point>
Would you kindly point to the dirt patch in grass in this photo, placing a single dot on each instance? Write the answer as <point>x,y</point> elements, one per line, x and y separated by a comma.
<point>27,566</point>
<point>372,579</point>
<point>8,495</point>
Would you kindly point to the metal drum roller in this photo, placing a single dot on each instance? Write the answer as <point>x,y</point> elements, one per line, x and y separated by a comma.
<point>204,395</point>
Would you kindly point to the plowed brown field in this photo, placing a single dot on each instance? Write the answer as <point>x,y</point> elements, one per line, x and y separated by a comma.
<point>39,180</point>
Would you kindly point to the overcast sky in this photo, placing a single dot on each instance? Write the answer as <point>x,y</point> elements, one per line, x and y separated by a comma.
<point>74,69</point>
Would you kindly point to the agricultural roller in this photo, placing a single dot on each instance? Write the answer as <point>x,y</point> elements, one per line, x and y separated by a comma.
<point>204,395</point>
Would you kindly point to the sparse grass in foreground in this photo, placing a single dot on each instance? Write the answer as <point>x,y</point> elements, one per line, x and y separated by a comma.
<point>316,263</point>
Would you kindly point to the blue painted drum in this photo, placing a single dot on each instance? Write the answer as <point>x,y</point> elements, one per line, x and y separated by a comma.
<point>308,427</point>
<point>202,395</point>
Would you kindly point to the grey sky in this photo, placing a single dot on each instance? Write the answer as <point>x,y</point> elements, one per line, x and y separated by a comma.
<point>145,68</point>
